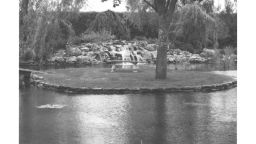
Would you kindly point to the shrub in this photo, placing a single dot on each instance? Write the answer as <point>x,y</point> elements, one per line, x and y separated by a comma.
<point>50,36</point>
<point>111,22</point>
<point>184,46</point>
<point>28,54</point>
<point>75,40</point>
<point>225,56</point>
<point>229,50</point>
<point>140,38</point>
<point>97,37</point>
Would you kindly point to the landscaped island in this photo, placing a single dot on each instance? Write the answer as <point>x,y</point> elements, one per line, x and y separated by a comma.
<point>102,80</point>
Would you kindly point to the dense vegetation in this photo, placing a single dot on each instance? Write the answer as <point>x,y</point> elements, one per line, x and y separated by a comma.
<point>47,27</point>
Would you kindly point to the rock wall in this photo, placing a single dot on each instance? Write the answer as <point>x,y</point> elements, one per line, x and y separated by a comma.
<point>141,51</point>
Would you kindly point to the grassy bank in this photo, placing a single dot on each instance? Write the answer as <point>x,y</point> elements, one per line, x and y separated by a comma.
<point>103,78</point>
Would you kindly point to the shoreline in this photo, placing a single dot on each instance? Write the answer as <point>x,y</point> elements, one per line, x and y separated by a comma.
<point>79,82</point>
<point>85,90</point>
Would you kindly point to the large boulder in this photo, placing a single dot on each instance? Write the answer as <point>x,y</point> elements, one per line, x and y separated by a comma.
<point>176,58</point>
<point>208,53</point>
<point>71,60</point>
<point>60,53</point>
<point>171,59</point>
<point>151,47</point>
<point>196,58</point>
<point>83,59</point>
<point>74,51</point>
<point>85,49</point>
<point>180,58</point>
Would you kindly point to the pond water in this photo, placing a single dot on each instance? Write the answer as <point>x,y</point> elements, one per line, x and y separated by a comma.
<point>48,117</point>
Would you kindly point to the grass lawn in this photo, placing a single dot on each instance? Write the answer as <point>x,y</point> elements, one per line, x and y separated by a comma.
<point>103,78</point>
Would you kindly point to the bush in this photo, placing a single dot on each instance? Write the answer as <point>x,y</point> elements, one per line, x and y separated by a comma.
<point>111,22</point>
<point>184,46</point>
<point>96,37</point>
<point>152,40</point>
<point>229,50</point>
<point>226,56</point>
<point>28,54</point>
<point>50,36</point>
<point>75,40</point>
<point>140,38</point>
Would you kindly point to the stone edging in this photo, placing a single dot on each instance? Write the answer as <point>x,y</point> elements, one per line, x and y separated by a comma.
<point>86,90</point>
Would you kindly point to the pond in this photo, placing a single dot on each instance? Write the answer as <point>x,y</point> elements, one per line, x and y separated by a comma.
<point>185,118</point>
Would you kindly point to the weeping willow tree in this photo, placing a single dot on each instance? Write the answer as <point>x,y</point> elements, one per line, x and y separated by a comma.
<point>44,26</point>
<point>111,22</point>
<point>165,10</point>
<point>195,26</point>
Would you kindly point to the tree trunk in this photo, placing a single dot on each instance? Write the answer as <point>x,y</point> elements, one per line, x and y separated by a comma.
<point>161,60</point>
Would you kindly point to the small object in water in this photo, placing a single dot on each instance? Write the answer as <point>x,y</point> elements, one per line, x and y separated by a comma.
<point>50,106</point>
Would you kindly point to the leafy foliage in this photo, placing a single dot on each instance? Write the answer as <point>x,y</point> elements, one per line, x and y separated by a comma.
<point>229,19</point>
<point>111,22</point>
<point>44,26</point>
<point>82,22</point>
<point>194,25</point>
<point>92,37</point>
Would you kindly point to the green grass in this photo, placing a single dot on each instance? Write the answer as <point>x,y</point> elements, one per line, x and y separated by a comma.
<point>103,78</point>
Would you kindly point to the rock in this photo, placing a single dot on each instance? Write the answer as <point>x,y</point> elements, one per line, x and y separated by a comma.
<point>101,52</point>
<point>181,58</point>
<point>94,61</point>
<point>196,58</point>
<point>83,59</point>
<point>118,42</point>
<point>95,47</point>
<point>36,77</point>
<point>74,51</point>
<point>112,48</point>
<point>57,59</point>
<point>187,54</point>
<point>71,60</point>
<point>208,53</point>
<point>171,59</point>
<point>85,49</point>
<point>151,47</point>
<point>60,53</point>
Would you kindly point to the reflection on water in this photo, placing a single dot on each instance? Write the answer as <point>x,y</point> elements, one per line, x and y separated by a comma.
<point>202,118</point>
<point>50,106</point>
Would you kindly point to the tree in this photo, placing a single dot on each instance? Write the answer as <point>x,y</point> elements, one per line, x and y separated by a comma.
<point>165,10</point>
<point>44,25</point>
<point>111,22</point>
<point>195,25</point>
<point>226,25</point>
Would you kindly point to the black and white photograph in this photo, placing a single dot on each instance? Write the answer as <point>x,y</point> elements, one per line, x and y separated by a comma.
<point>126,71</point>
